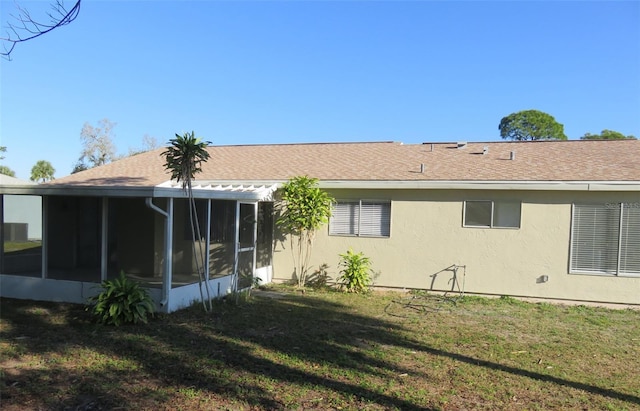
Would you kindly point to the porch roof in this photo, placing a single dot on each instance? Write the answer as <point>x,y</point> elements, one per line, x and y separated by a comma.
<point>218,190</point>
<point>221,191</point>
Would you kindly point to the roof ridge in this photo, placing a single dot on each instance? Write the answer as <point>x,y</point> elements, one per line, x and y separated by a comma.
<point>521,141</point>
<point>308,143</point>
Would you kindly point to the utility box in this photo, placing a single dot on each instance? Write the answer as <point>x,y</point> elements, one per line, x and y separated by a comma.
<point>16,232</point>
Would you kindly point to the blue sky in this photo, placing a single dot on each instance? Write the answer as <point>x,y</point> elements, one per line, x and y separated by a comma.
<point>255,72</point>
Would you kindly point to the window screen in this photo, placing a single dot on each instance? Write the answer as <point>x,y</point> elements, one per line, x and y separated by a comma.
<point>361,218</point>
<point>630,239</point>
<point>605,238</point>
<point>492,214</point>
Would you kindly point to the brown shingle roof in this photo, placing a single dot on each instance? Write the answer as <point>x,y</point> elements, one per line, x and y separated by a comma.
<point>617,160</point>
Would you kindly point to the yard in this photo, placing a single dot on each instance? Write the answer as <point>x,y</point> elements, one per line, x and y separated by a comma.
<point>281,349</point>
<point>11,246</point>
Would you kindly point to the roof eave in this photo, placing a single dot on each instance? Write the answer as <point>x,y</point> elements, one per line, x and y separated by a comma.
<point>165,191</point>
<point>484,185</point>
<point>78,190</point>
<point>231,194</point>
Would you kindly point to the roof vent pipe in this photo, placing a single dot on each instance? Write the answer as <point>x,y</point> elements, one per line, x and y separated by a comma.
<point>485,150</point>
<point>422,168</point>
<point>512,155</point>
<point>462,144</point>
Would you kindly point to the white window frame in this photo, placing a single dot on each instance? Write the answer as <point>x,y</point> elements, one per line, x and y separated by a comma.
<point>492,222</point>
<point>356,225</point>
<point>605,239</point>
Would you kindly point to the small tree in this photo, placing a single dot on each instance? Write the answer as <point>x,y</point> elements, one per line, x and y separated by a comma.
<point>42,171</point>
<point>304,208</point>
<point>98,147</point>
<point>7,171</point>
<point>148,143</point>
<point>184,157</point>
<point>531,125</point>
<point>607,135</point>
<point>79,166</point>
<point>4,169</point>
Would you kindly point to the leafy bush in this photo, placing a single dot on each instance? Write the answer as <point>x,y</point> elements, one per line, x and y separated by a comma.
<point>355,273</point>
<point>121,301</point>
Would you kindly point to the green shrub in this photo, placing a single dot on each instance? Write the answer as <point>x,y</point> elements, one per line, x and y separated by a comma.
<point>121,301</point>
<point>355,273</point>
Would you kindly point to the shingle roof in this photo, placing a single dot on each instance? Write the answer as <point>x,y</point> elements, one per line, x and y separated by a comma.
<point>12,181</point>
<point>614,160</point>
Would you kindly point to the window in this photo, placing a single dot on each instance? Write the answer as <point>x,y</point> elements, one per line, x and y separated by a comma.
<point>361,218</point>
<point>492,214</point>
<point>605,238</point>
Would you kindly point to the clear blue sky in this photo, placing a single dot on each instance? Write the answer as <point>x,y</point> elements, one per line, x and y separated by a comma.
<point>242,72</point>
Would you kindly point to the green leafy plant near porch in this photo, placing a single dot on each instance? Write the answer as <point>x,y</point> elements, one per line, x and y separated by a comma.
<point>122,301</point>
<point>355,274</point>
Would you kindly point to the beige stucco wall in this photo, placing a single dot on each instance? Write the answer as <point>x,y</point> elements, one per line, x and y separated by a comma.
<point>427,237</point>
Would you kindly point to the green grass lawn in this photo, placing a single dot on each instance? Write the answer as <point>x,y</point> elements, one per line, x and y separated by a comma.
<point>11,246</point>
<point>324,351</point>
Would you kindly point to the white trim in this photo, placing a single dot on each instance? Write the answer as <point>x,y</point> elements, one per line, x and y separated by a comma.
<point>104,239</point>
<point>221,190</point>
<point>264,189</point>
<point>167,270</point>
<point>45,238</point>
<point>484,185</point>
<point>168,189</point>
<point>167,276</point>
<point>614,186</point>
<point>207,258</point>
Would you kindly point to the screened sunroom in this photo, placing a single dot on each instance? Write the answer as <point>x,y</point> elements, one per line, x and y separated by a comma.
<point>58,244</point>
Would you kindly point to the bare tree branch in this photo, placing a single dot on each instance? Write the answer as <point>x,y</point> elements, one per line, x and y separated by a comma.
<point>24,27</point>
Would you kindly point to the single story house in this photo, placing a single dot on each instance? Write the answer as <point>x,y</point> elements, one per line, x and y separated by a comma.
<point>556,220</point>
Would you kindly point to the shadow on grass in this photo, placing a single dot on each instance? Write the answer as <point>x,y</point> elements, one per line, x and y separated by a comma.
<point>220,354</point>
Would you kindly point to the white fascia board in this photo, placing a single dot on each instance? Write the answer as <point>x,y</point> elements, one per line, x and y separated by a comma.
<point>245,183</point>
<point>613,186</point>
<point>80,191</point>
<point>164,190</point>
<point>242,191</point>
<point>161,192</point>
<point>485,185</point>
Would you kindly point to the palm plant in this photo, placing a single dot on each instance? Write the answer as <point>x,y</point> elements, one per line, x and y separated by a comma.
<point>184,157</point>
<point>42,171</point>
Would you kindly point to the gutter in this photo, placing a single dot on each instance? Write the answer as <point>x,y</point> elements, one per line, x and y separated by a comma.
<point>83,191</point>
<point>166,190</point>
<point>483,185</point>
<point>168,246</point>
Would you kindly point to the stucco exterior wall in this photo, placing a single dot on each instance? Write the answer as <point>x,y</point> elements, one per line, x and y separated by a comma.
<point>427,237</point>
